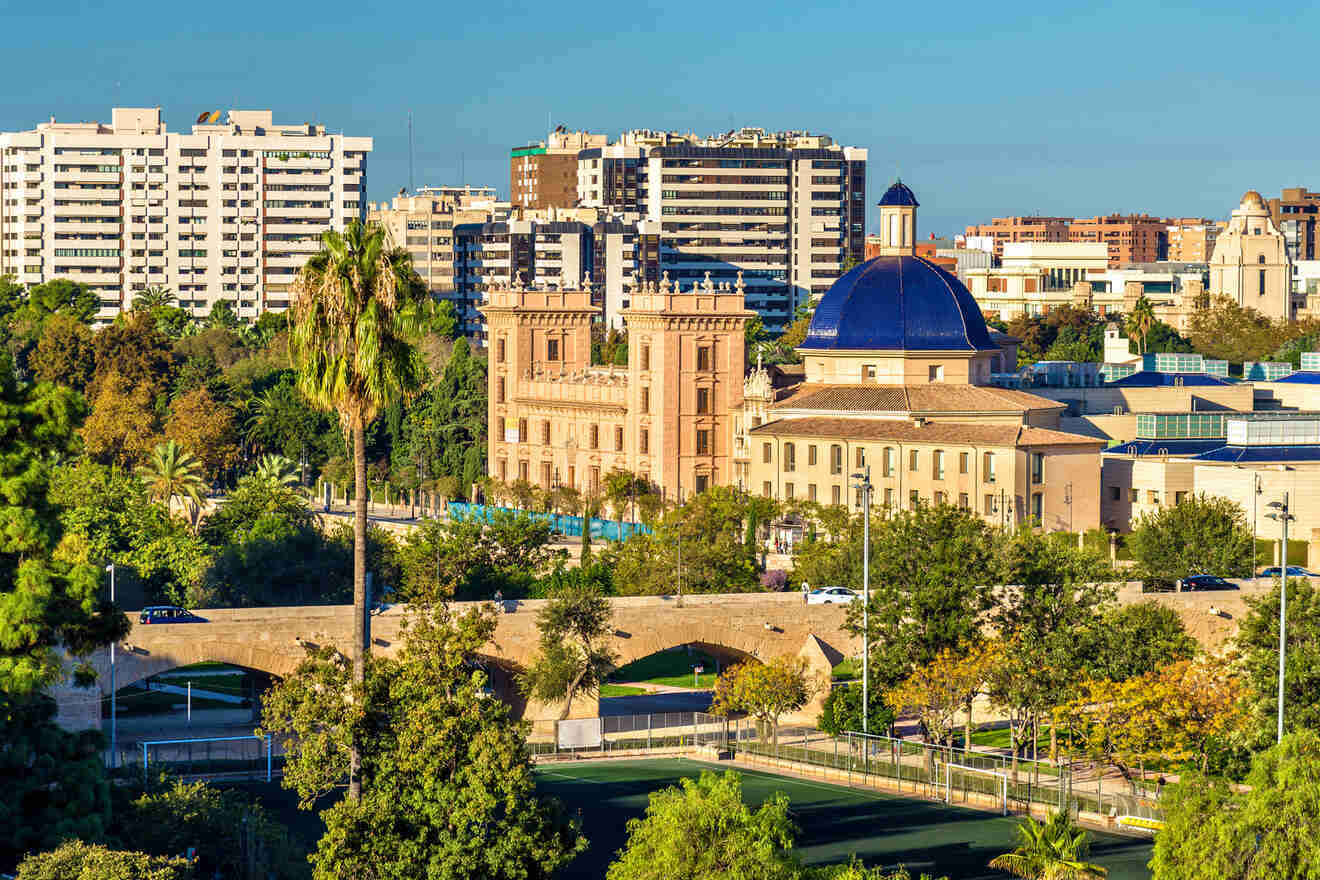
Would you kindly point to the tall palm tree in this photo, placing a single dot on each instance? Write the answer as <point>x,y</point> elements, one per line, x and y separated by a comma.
<point>1051,850</point>
<point>152,297</point>
<point>358,307</point>
<point>174,472</point>
<point>277,471</point>
<point>1140,322</point>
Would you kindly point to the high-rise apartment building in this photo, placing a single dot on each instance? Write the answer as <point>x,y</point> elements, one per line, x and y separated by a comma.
<point>229,211</point>
<point>429,226</point>
<point>1192,239</point>
<point>544,174</point>
<point>1000,230</point>
<point>787,209</point>
<point>1296,213</point>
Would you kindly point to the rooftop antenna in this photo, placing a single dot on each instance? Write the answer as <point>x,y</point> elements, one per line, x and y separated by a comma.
<point>410,153</point>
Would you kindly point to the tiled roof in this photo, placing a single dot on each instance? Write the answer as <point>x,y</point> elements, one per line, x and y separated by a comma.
<point>914,398</point>
<point>932,432</point>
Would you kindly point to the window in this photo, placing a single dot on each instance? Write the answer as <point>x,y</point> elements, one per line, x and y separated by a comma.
<point>889,498</point>
<point>912,460</point>
<point>703,357</point>
<point>545,475</point>
<point>937,372</point>
<point>644,442</point>
<point>988,467</point>
<point>1153,496</point>
<point>595,436</point>
<point>1132,496</point>
<point>857,498</point>
<point>887,461</point>
<point>836,461</point>
<point>1179,497</point>
<point>964,462</point>
<point>499,350</point>
<point>868,373</point>
<point>646,356</point>
<point>1260,279</point>
<point>522,430</point>
<point>703,441</point>
<point>964,503</point>
<point>522,471</point>
<point>1037,467</point>
<point>788,490</point>
<point>989,505</point>
<point>1038,507</point>
<point>593,476</point>
<point>1115,493</point>
<point>811,492</point>
<point>646,400</point>
<point>545,432</point>
<point>499,390</point>
<point>766,489</point>
<point>836,494</point>
<point>504,470</point>
<point>572,476</point>
<point>811,455</point>
<point>860,457</point>
<point>941,499</point>
<point>703,401</point>
<point>702,483</point>
<point>618,438</point>
<point>937,461</point>
<point>914,499</point>
<point>767,453</point>
<point>552,349</point>
<point>790,457</point>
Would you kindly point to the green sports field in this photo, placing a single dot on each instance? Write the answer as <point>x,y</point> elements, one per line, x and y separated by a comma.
<point>835,821</point>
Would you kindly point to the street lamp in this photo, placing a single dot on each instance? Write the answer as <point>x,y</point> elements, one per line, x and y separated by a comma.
<point>1284,517</point>
<point>114,718</point>
<point>863,481</point>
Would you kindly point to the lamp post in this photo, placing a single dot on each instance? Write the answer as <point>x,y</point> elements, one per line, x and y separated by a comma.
<point>1255,495</point>
<point>114,719</point>
<point>1284,517</point>
<point>863,482</point>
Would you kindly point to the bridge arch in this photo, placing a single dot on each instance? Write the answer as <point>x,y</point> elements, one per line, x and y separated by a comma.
<point>133,666</point>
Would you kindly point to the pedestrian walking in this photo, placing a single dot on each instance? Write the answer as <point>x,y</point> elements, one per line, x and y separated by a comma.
<point>805,590</point>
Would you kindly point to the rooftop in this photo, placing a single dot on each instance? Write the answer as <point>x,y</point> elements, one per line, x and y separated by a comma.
<point>931,398</point>
<point>931,432</point>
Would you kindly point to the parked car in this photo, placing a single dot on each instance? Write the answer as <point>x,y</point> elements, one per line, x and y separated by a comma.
<point>832,596</point>
<point>168,614</point>
<point>1207,582</point>
<point>1294,571</point>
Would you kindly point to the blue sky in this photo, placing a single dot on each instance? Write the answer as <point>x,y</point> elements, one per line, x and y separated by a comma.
<point>985,109</point>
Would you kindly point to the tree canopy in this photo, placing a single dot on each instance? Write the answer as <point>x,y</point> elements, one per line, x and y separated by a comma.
<point>1202,534</point>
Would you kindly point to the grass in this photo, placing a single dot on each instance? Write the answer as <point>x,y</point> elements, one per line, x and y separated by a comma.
<point>999,738</point>
<point>671,668</point>
<point>835,821</point>
<point>848,669</point>
<point>619,690</point>
<point>131,701</point>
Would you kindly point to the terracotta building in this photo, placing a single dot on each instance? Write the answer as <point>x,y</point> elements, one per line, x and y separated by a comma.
<point>898,362</point>
<point>1130,238</point>
<point>557,420</point>
<point>544,174</point>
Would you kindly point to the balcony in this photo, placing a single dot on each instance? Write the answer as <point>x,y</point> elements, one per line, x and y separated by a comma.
<point>294,161</point>
<point>81,176</point>
<point>274,214</point>
<point>88,210</point>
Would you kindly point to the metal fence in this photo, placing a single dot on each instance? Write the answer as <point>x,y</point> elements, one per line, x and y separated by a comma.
<point>228,757</point>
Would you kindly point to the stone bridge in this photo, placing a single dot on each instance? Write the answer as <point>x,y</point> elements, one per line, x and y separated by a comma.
<point>734,627</point>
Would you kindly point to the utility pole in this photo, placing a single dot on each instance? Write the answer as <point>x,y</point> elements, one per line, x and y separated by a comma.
<point>863,482</point>
<point>1283,516</point>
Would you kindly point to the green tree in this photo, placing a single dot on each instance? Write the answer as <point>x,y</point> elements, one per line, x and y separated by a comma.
<point>930,574</point>
<point>1231,332</point>
<point>54,781</point>
<point>701,829</point>
<point>470,559</point>
<point>1132,640</point>
<point>207,428</point>
<point>1269,830</point>
<point>172,473</point>
<point>842,710</point>
<point>855,870</point>
<point>358,307</point>
<point>277,471</point>
<point>1139,322</point>
<point>1202,534</point>
<point>222,315</point>
<point>766,691</point>
<point>75,860</point>
<point>122,427</point>
<point>448,791</point>
<point>1258,640</point>
<point>64,353</point>
<point>1055,849</point>
<point>574,656</point>
<point>133,350</point>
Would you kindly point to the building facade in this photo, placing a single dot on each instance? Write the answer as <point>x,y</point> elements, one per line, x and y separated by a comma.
<point>544,174</point>
<point>1250,264</point>
<point>1295,212</point>
<point>226,212</point>
<point>1128,238</point>
<point>558,420</point>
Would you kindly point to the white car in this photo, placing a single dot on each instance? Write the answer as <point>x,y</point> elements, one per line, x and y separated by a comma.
<point>832,596</point>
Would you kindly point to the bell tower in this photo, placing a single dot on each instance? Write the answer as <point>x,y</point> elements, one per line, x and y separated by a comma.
<point>898,221</point>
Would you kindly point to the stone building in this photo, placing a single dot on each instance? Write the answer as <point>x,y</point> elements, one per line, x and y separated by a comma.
<point>898,362</point>
<point>1250,263</point>
<point>558,420</point>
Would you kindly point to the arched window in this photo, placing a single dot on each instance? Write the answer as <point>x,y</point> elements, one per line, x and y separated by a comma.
<point>894,231</point>
<point>1261,259</point>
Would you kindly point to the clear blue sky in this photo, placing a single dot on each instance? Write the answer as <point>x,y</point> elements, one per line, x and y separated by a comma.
<point>986,108</point>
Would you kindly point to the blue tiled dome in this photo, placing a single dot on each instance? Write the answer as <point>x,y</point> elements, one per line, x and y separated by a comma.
<point>899,194</point>
<point>898,304</point>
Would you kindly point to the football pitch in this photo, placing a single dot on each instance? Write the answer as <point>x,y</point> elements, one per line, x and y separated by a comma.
<point>834,821</point>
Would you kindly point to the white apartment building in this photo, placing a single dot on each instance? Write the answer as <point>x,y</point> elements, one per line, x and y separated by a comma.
<point>787,209</point>
<point>229,211</point>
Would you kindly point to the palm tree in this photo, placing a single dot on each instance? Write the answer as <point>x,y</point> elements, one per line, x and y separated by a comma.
<point>173,472</point>
<point>1051,850</point>
<point>358,307</point>
<point>277,471</point>
<point>151,298</point>
<point>1140,322</point>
